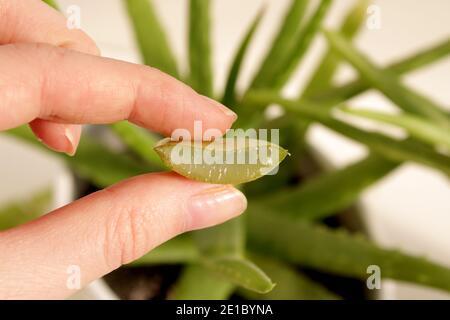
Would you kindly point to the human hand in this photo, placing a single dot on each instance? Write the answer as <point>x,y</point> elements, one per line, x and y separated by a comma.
<point>53,79</point>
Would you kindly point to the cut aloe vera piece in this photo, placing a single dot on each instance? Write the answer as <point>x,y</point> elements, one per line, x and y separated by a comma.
<point>224,161</point>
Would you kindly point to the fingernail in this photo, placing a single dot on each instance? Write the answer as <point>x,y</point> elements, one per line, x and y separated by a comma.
<point>71,140</point>
<point>215,205</point>
<point>221,107</point>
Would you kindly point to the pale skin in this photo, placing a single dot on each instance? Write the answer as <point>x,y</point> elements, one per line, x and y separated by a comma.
<point>54,79</point>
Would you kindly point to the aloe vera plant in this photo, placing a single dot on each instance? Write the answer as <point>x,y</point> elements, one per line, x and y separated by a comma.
<point>259,254</point>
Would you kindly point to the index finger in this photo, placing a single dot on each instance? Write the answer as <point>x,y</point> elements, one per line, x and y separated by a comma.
<point>46,82</point>
<point>33,21</point>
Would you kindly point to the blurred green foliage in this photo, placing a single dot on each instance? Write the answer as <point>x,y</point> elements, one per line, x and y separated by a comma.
<point>259,255</point>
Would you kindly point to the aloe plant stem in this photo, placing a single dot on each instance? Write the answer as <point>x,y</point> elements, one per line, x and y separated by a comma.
<point>300,46</point>
<point>229,96</point>
<point>198,283</point>
<point>292,284</point>
<point>396,150</point>
<point>336,251</point>
<point>140,141</point>
<point>201,76</point>
<point>387,82</point>
<point>415,61</point>
<point>422,129</point>
<point>317,198</point>
<point>323,75</point>
<point>282,43</point>
<point>151,37</point>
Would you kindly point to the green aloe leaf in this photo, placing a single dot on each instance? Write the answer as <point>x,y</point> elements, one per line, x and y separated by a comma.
<point>418,127</point>
<point>291,284</point>
<point>241,272</point>
<point>387,82</point>
<point>393,149</point>
<point>337,95</point>
<point>93,160</point>
<point>179,250</point>
<point>284,64</point>
<point>292,135</point>
<point>305,201</point>
<point>198,283</point>
<point>300,45</point>
<point>17,213</point>
<point>311,206</point>
<point>52,3</point>
<point>421,58</point>
<point>218,260</point>
<point>229,96</point>
<point>323,76</point>
<point>282,42</point>
<point>227,239</point>
<point>201,76</point>
<point>221,172</point>
<point>103,166</point>
<point>336,251</point>
<point>140,141</point>
<point>230,234</point>
<point>410,63</point>
<point>222,251</point>
<point>151,37</point>
<point>317,198</point>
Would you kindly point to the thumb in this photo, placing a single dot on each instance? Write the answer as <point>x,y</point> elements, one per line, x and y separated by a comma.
<point>106,229</point>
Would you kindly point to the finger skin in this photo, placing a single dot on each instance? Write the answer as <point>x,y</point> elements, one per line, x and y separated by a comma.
<point>42,81</point>
<point>57,136</point>
<point>106,229</point>
<point>33,21</point>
